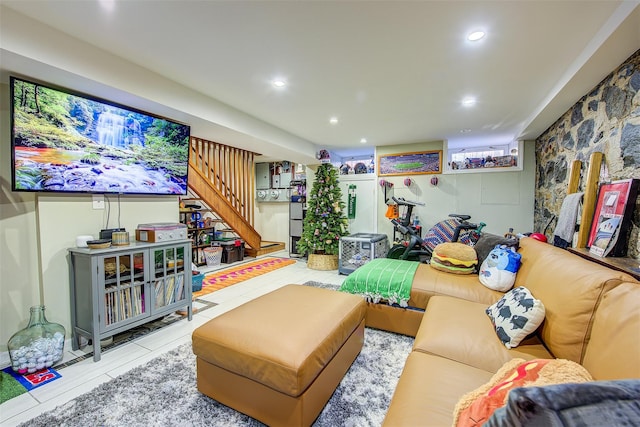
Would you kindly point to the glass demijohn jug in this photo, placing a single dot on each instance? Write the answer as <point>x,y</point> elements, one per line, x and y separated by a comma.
<point>38,346</point>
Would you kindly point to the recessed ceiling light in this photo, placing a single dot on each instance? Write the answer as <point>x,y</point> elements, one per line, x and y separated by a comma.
<point>363,140</point>
<point>333,120</point>
<point>468,102</point>
<point>465,130</point>
<point>475,36</point>
<point>279,83</point>
<point>108,5</point>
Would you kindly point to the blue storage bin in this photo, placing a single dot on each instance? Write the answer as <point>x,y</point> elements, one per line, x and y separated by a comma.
<point>196,282</point>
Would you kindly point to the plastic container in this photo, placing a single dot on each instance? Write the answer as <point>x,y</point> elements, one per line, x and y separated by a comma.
<point>196,282</point>
<point>212,256</point>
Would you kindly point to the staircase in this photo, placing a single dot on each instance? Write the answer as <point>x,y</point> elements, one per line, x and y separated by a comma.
<point>223,178</point>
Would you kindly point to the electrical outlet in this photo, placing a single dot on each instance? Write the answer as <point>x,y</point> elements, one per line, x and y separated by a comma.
<point>98,201</point>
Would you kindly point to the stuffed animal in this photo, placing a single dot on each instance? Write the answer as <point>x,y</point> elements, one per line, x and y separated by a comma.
<point>498,270</point>
<point>456,258</point>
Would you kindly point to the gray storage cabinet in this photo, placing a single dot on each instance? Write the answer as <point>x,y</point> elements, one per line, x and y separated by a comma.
<point>360,248</point>
<point>118,288</point>
<point>297,211</point>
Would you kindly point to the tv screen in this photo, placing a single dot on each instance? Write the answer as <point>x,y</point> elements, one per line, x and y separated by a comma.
<point>63,141</point>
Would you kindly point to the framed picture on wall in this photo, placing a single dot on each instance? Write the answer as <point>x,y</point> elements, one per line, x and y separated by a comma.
<point>506,157</point>
<point>419,162</point>
<point>612,218</point>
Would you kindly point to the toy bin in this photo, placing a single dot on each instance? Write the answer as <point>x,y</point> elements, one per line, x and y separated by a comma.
<point>358,249</point>
<point>196,282</point>
<point>212,255</point>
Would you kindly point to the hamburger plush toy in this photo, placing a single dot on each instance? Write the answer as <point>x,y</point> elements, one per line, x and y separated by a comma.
<point>456,258</point>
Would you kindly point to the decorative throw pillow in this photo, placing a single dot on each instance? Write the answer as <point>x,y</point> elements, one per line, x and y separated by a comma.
<point>488,241</point>
<point>477,406</point>
<point>498,271</point>
<point>516,315</point>
<point>456,258</point>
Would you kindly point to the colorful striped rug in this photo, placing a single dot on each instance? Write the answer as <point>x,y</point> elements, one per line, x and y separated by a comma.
<point>221,279</point>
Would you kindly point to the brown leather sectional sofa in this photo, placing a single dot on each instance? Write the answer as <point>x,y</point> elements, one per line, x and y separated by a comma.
<point>592,318</point>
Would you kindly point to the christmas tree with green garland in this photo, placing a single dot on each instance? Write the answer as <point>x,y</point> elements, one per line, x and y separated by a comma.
<point>325,221</point>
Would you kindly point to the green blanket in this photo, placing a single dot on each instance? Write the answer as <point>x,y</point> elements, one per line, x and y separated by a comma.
<point>382,279</point>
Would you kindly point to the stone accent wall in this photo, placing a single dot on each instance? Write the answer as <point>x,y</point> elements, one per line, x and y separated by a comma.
<point>607,119</point>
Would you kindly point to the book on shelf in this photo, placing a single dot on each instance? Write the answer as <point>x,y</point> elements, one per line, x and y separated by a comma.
<point>606,234</point>
<point>160,292</point>
<point>107,310</point>
<point>131,302</point>
<point>180,288</point>
<point>171,281</point>
<point>614,210</point>
<point>138,301</point>
<point>123,304</point>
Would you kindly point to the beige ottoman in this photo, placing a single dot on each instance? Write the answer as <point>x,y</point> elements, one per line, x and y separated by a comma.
<point>279,358</point>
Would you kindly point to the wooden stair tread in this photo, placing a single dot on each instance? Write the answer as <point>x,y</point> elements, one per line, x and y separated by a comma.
<point>265,248</point>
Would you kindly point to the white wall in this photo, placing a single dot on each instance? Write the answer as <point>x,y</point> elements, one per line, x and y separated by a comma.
<point>500,199</point>
<point>62,218</point>
<point>366,202</point>
<point>35,244</point>
<point>19,272</point>
<point>272,221</point>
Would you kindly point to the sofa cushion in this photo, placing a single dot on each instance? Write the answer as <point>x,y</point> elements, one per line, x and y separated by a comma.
<point>613,351</point>
<point>429,389</point>
<point>429,282</point>
<point>598,403</point>
<point>461,331</point>
<point>476,406</point>
<point>516,315</point>
<point>571,288</point>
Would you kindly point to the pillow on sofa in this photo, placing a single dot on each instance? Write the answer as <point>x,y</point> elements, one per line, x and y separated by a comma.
<point>454,257</point>
<point>516,315</point>
<point>488,241</point>
<point>498,271</point>
<point>597,403</point>
<point>477,406</point>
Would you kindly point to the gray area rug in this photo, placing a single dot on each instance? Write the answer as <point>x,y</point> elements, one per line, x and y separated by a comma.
<point>163,392</point>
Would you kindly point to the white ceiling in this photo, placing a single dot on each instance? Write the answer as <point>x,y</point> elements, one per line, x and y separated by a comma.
<point>393,72</point>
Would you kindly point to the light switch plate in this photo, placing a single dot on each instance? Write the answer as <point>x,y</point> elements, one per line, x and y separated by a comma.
<point>98,201</point>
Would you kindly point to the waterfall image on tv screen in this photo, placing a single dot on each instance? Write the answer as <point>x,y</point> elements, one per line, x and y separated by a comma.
<point>67,142</point>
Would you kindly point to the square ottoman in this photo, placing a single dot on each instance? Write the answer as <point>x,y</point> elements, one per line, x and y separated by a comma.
<point>279,357</point>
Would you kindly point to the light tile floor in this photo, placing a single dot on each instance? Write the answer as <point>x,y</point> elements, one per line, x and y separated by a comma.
<point>81,377</point>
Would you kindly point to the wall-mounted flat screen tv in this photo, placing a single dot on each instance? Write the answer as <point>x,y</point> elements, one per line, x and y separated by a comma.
<point>63,141</point>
